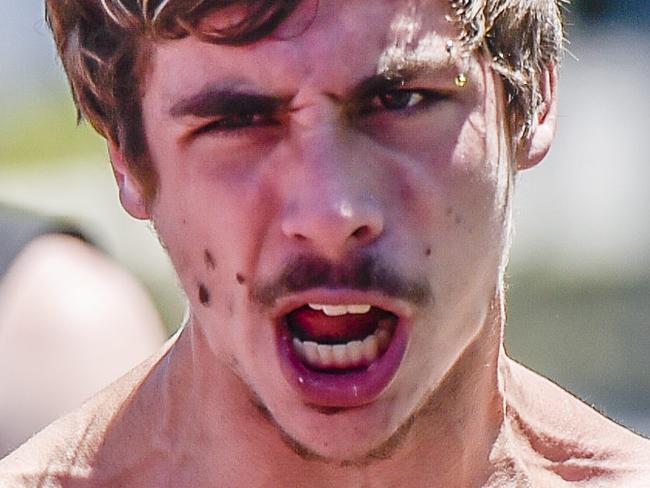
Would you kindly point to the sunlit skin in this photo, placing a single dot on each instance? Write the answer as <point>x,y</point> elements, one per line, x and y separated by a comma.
<point>296,149</point>
<point>304,178</point>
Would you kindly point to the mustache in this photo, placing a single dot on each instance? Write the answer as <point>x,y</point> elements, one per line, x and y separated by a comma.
<point>364,272</point>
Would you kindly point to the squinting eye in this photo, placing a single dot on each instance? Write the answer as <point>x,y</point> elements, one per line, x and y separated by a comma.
<point>398,99</point>
<point>234,122</point>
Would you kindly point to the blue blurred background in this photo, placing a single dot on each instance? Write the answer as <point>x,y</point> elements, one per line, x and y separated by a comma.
<point>579,308</point>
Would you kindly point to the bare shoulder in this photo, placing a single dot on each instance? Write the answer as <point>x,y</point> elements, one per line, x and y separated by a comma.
<point>69,451</point>
<point>73,282</point>
<point>565,442</point>
<point>72,321</point>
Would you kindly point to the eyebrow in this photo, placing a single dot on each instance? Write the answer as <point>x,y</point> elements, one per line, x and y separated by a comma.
<point>397,72</point>
<point>387,79</point>
<point>213,101</point>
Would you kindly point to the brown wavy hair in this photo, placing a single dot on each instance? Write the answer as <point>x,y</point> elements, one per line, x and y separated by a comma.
<point>104,46</point>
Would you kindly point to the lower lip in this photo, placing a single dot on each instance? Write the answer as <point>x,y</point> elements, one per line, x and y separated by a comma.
<point>348,390</point>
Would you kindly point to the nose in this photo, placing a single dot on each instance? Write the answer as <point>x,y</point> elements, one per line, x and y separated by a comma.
<point>331,206</point>
<point>333,227</point>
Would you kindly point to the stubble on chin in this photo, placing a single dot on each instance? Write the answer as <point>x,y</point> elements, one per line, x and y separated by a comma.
<point>384,451</point>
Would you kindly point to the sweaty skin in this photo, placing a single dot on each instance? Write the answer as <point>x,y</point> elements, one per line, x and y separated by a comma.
<point>333,187</point>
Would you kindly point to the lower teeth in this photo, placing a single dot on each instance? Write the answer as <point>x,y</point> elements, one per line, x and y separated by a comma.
<point>353,354</point>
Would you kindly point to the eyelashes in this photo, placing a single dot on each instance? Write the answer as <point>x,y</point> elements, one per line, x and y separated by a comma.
<point>397,101</point>
<point>238,122</point>
<point>402,100</point>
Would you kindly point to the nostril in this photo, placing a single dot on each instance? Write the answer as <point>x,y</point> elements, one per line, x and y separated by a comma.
<point>331,230</point>
<point>361,232</point>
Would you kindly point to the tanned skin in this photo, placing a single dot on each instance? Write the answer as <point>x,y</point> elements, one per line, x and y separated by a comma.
<point>336,184</point>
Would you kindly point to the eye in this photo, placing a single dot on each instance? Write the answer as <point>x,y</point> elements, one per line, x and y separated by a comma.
<point>398,99</point>
<point>402,100</point>
<point>237,122</point>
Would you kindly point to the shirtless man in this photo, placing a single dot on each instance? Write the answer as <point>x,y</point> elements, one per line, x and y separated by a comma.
<point>333,183</point>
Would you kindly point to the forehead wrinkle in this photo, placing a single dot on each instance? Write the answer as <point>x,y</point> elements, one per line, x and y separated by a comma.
<point>338,32</point>
<point>415,54</point>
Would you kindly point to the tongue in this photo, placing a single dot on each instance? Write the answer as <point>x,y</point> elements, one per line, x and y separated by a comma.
<point>313,325</point>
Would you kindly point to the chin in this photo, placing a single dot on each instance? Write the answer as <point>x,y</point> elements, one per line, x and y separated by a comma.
<point>344,435</point>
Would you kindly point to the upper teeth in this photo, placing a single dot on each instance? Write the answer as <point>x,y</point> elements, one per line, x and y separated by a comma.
<point>335,310</point>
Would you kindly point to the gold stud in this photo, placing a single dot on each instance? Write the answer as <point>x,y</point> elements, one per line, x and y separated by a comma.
<point>460,80</point>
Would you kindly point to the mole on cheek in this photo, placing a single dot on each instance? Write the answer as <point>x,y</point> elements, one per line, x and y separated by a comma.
<point>427,252</point>
<point>204,295</point>
<point>209,260</point>
<point>240,278</point>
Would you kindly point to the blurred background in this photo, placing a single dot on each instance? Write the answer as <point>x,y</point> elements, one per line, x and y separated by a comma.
<point>579,286</point>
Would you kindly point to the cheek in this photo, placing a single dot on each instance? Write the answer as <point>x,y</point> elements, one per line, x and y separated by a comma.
<point>465,198</point>
<point>211,230</point>
<point>174,230</point>
<point>455,195</point>
<point>479,162</point>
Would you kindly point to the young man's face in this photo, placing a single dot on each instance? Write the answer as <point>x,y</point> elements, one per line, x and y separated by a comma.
<point>295,171</point>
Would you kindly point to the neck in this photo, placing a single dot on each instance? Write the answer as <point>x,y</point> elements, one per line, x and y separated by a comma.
<point>447,442</point>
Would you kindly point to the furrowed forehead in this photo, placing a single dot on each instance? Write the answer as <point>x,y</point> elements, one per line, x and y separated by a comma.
<point>409,36</point>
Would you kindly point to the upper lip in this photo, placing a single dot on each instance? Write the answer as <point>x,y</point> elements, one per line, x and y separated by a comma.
<point>336,296</point>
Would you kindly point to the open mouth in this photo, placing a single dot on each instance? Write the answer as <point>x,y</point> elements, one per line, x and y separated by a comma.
<point>340,339</point>
<point>340,351</point>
